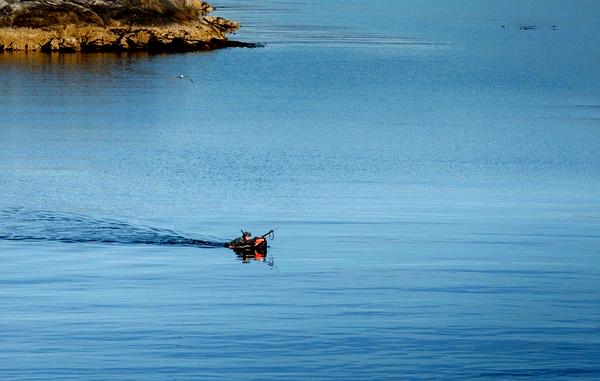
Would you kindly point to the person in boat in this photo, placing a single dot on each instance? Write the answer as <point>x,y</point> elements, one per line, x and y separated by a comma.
<point>245,241</point>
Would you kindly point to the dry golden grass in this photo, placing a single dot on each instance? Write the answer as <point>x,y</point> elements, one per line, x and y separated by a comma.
<point>73,37</point>
<point>24,38</point>
<point>168,24</point>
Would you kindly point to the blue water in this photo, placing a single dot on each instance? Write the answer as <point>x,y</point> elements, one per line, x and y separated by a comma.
<point>435,178</point>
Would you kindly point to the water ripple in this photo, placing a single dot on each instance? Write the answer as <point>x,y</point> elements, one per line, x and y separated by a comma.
<point>26,225</point>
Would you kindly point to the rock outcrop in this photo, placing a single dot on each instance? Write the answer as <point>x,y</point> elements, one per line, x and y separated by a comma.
<point>112,25</point>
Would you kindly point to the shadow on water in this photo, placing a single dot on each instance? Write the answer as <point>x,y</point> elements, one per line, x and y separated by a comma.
<point>25,225</point>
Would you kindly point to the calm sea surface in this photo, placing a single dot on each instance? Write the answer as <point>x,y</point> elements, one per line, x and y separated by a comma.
<point>433,169</point>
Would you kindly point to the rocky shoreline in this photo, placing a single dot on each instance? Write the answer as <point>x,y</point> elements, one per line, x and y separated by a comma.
<point>113,25</point>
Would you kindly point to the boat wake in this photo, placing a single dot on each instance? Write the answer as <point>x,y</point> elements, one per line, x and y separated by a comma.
<point>24,225</point>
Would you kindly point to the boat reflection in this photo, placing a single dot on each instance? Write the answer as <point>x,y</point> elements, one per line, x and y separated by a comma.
<point>249,255</point>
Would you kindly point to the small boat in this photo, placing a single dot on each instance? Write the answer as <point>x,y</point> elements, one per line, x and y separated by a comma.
<point>257,244</point>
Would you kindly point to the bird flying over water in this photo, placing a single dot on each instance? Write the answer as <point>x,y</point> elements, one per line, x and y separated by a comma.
<point>182,76</point>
